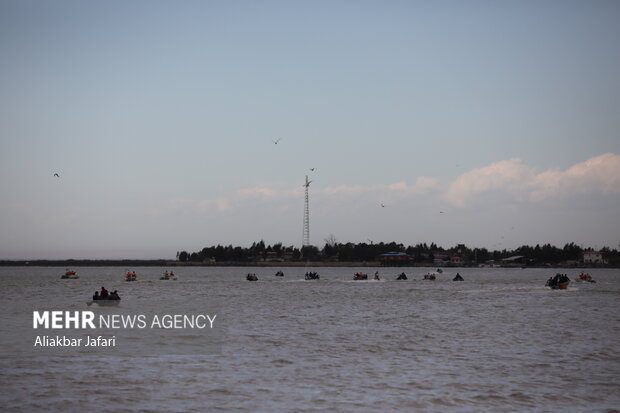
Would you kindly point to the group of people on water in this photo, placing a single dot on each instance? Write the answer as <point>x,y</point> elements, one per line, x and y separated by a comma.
<point>360,276</point>
<point>105,295</point>
<point>251,277</point>
<point>312,275</point>
<point>586,277</point>
<point>554,282</point>
<point>168,276</point>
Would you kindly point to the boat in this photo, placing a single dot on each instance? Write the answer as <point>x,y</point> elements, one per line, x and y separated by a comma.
<point>251,277</point>
<point>312,276</point>
<point>103,303</point>
<point>279,274</point>
<point>559,282</point>
<point>168,276</point>
<point>360,276</point>
<point>71,275</point>
<point>429,276</point>
<point>401,276</point>
<point>458,277</point>
<point>586,277</point>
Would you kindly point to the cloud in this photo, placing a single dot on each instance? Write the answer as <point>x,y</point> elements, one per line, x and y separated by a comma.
<point>421,186</point>
<point>600,174</point>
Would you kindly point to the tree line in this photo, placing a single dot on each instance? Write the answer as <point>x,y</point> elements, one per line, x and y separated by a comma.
<point>364,252</point>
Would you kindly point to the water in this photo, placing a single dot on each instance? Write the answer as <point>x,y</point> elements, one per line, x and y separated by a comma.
<point>497,342</point>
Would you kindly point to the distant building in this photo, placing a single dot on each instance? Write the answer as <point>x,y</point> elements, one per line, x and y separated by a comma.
<point>515,260</point>
<point>593,257</point>
<point>456,259</point>
<point>394,259</point>
<point>440,257</point>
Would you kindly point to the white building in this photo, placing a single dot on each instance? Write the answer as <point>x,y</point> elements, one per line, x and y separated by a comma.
<point>593,257</point>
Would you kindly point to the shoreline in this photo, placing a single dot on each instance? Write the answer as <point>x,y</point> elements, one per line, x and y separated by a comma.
<point>259,264</point>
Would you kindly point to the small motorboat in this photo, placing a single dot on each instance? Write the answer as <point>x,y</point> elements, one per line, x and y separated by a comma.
<point>279,274</point>
<point>429,276</point>
<point>586,277</point>
<point>401,276</point>
<point>360,276</point>
<point>71,275</point>
<point>312,276</point>
<point>251,277</point>
<point>559,282</point>
<point>168,276</point>
<point>103,303</point>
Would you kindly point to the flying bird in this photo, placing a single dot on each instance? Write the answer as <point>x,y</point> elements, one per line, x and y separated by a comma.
<point>382,206</point>
<point>441,212</point>
<point>312,169</point>
<point>56,175</point>
<point>276,141</point>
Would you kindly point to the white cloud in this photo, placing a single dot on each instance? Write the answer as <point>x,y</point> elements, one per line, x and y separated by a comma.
<point>421,186</point>
<point>600,174</point>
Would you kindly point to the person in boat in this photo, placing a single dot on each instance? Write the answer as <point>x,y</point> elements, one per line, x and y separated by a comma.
<point>114,295</point>
<point>377,275</point>
<point>171,274</point>
<point>458,277</point>
<point>96,296</point>
<point>104,293</point>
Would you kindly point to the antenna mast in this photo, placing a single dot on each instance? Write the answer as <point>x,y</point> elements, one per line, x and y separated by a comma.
<point>306,231</point>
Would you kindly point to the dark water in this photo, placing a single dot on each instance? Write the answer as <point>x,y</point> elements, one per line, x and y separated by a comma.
<point>497,342</point>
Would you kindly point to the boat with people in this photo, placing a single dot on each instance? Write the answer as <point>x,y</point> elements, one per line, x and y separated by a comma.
<point>360,276</point>
<point>104,298</point>
<point>130,276</point>
<point>168,276</point>
<point>586,277</point>
<point>69,274</point>
<point>401,276</point>
<point>312,275</point>
<point>279,274</point>
<point>251,277</point>
<point>458,277</point>
<point>103,303</point>
<point>430,276</point>
<point>559,282</point>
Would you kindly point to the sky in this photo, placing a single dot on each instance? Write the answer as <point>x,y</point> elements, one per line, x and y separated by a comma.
<point>492,124</point>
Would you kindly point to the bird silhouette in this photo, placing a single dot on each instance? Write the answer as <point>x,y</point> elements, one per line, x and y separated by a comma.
<point>312,169</point>
<point>276,141</point>
<point>382,206</point>
<point>56,175</point>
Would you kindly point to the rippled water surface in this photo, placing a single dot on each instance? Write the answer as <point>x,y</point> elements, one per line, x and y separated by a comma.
<point>499,341</point>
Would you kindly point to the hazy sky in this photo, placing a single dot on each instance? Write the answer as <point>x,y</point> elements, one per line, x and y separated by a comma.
<point>160,118</point>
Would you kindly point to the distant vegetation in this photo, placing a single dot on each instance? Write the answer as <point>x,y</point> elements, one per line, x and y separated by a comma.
<point>336,252</point>
<point>421,253</point>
